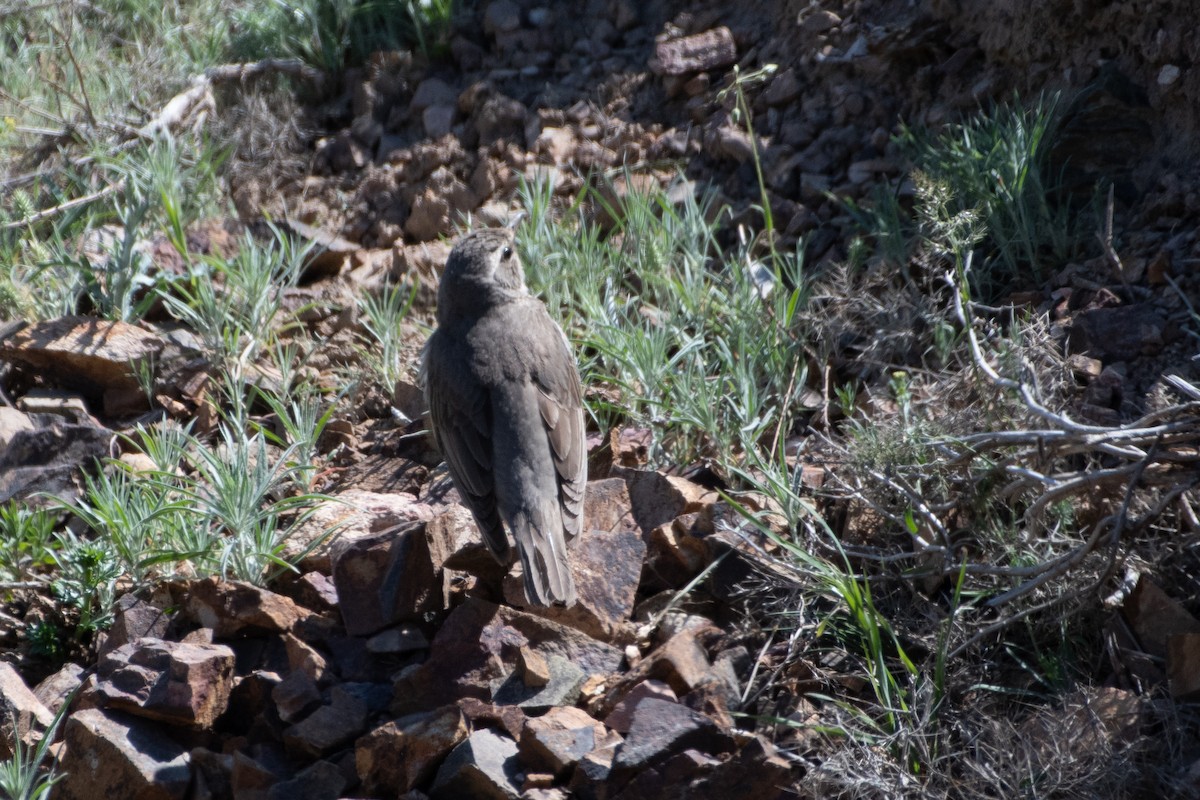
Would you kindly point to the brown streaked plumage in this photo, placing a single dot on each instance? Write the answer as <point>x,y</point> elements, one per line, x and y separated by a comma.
<point>506,409</point>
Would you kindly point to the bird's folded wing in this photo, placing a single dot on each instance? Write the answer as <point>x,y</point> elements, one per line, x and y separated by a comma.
<point>561,405</point>
<point>461,417</point>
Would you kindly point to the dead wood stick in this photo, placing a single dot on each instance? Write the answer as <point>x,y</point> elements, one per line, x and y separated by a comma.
<point>46,213</point>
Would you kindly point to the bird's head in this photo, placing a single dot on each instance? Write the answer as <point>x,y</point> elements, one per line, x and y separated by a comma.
<point>483,268</point>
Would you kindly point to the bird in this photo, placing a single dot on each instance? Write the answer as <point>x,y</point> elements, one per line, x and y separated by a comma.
<point>506,410</point>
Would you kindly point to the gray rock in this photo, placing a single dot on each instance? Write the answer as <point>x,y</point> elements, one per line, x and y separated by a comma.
<point>562,689</point>
<point>485,766</point>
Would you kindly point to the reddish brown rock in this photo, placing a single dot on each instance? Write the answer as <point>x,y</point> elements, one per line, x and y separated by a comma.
<point>607,507</point>
<point>1155,617</point>
<point>133,619</point>
<point>330,727</point>
<point>315,591</point>
<point>509,719</point>
<point>182,684</point>
<point>387,578</point>
<point>350,516</point>
<point>113,755</point>
<point>564,681</point>
<point>477,647</point>
<point>607,566</point>
<point>697,53</point>
<point>621,717</point>
<point>22,708</point>
<point>90,354</point>
<point>680,662</point>
<point>658,499</point>
<point>295,696</point>
<point>404,753</point>
<point>557,740</point>
<point>321,780</point>
<point>54,690</point>
<point>233,607</point>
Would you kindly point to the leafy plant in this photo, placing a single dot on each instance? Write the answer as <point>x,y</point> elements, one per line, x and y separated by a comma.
<point>383,314</point>
<point>26,540</point>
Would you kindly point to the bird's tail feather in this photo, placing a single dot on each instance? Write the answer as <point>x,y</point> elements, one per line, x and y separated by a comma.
<point>543,550</point>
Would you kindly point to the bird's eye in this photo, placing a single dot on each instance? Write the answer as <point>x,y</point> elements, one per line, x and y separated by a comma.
<point>506,254</point>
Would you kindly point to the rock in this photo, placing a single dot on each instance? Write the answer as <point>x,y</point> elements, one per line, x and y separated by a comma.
<point>561,689</point>
<point>1183,666</point>
<point>330,727</point>
<point>697,53</point>
<point>254,775</point>
<point>303,657</point>
<point>349,516</point>
<point>756,771</point>
<point>112,755</point>
<point>405,753</point>
<point>322,780</point>
<point>134,618</point>
<point>68,405</point>
<point>181,684</point>
<point>509,719</point>
<point>430,216</point>
<point>1084,367</point>
<point>662,729</point>
<point>433,92</point>
<point>607,507</point>
<point>681,663</point>
<point>212,774</point>
<point>477,647</point>
<point>1121,333</point>
<point>329,252</point>
<point>12,421</point>
<point>557,740</point>
<point>607,567</point>
<point>54,690</point>
<point>233,607</point>
<point>557,145</point>
<point>783,89</point>
<point>657,499</point>
<point>85,353</point>
<point>398,640</point>
<point>295,696</point>
<point>498,117</point>
<point>620,719</point>
<point>535,670</point>
<point>48,458</point>
<point>677,552</point>
<point>438,120</point>
<point>22,708</point>
<point>388,577</point>
<point>501,16</point>
<point>485,766</point>
<point>1155,617</point>
<point>818,21</point>
<point>590,779</point>
<point>731,142</point>
<point>342,153</point>
<point>315,591</point>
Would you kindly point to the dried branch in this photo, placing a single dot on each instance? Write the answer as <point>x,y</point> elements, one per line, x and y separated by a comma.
<point>47,213</point>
